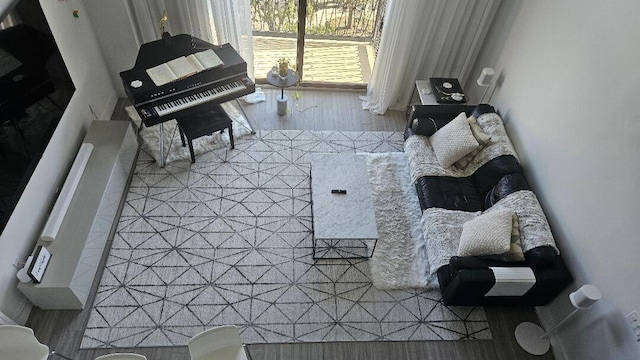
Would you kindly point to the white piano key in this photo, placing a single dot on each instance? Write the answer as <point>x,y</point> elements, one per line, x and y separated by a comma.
<point>199,98</point>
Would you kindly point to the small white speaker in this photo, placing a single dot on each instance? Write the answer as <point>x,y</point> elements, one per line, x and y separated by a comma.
<point>486,76</point>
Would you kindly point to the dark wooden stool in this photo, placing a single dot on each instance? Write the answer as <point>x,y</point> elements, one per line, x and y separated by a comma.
<point>204,123</point>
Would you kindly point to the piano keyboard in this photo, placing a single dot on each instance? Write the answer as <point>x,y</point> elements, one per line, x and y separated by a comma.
<point>199,98</point>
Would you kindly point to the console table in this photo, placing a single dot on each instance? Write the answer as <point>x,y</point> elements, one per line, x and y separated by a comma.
<point>77,250</point>
<point>425,93</point>
<point>344,223</point>
<point>423,88</point>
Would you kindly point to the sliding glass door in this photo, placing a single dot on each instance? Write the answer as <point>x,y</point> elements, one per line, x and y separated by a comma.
<point>330,43</point>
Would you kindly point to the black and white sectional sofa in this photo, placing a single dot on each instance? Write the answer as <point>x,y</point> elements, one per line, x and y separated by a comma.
<point>476,207</point>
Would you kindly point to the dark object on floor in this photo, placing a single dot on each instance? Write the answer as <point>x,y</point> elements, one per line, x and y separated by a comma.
<point>204,123</point>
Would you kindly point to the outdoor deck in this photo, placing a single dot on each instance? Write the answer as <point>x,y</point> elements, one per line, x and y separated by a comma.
<point>326,61</point>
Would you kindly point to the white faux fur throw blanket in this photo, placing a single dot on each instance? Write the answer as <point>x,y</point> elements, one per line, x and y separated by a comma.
<point>400,258</point>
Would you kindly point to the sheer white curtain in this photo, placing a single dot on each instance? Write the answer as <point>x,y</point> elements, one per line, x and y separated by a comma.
<point>423,39</point>
<point>402,47</point>
<point>232,24</point>
<point>215,21</point>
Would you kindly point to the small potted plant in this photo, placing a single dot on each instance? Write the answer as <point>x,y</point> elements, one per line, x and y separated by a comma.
<point>283,68</point>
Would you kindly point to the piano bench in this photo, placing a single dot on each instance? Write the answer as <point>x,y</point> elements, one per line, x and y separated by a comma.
<point>204,123</point>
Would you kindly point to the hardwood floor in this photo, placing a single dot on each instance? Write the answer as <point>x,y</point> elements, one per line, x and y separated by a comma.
<point>62,330</point>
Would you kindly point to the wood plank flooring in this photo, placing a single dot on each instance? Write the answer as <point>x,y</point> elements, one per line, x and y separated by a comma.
<point>308,110</point>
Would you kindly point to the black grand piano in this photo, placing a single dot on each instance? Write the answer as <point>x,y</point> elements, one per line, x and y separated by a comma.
<point>188,96</point>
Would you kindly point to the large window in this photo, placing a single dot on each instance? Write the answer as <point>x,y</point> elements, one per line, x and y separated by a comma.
<point>331,42</point>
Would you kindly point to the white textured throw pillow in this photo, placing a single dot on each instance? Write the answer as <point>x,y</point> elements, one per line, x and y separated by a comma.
<point>453,141</point>
<point>487,234</point>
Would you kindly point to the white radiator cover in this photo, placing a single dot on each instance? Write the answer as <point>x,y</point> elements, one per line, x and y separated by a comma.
<point>61,206</point>
<point>84,230</point>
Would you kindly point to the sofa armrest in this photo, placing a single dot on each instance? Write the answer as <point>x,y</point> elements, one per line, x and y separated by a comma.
<point>468,286</point>
<point>476,262</point>
<point>439,111</point>
<point>447,111</point>
<point>433,117</point>
<point>482,109</point>
<point>540,257</point>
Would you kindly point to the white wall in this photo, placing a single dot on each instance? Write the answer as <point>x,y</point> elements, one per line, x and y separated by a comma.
<point>94,90</point>
<point>116,37</point>
<point>5,6</point>
<point>568,84</point>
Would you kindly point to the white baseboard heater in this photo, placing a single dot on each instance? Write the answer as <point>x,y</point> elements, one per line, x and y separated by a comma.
<point>76,232</point>
<point>52,227</point>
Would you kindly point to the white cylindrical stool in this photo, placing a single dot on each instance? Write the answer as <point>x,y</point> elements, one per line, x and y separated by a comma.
<point>282,105</point>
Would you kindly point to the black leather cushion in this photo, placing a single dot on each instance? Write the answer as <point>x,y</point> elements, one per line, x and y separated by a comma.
<point>475,262</point>
<point>488,175</point>
<point>433,117</point>
<point>540,257</point>
<point>494,180</point>
<point>508,184</point>
<point>448,193</point>
<point>428,126</point>
<point>482,109</point>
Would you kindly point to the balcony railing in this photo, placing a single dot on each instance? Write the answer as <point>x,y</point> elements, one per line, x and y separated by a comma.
<point>325,18</point>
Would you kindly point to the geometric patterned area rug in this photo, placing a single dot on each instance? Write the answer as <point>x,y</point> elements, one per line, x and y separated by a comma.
<point>228,240</point>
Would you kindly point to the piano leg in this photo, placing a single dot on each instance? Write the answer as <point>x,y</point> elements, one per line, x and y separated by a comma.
<point>253,131</point>
<point>162,162</point>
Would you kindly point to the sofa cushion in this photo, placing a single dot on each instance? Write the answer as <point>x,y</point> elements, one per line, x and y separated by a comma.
<point>541,257</point>
<point>448,193</point>
<point>453,141</point>
<point>508,184</point>
<point>442,230</point>
<point>487,234</point>
<point>428,125</point>
<point>534,227</point>
<point>488,175</point>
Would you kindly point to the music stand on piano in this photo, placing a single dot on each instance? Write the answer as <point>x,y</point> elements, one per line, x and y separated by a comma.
<point>187,96</point>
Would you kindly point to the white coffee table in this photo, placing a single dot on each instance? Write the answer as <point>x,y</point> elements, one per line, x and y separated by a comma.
<point>344,223</point>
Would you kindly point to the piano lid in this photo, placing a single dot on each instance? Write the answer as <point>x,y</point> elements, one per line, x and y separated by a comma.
<point>160,51</point>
